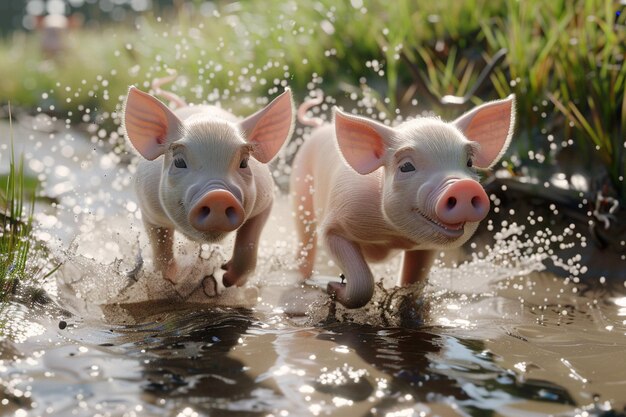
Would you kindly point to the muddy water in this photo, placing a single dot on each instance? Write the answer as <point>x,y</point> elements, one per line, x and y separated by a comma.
<point>493,333</point>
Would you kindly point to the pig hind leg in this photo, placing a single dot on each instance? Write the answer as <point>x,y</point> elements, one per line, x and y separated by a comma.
<point>415,266</point>
<point>302,199</point>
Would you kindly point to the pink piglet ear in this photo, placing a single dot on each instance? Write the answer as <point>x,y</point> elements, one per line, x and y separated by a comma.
<point>150,125</point>
<point>491,125</point>
<point>362,142</point>
<point>269,128</point>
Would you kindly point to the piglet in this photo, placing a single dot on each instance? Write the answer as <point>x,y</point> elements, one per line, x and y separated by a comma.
<point>370,191</point>
<point>205,174</point>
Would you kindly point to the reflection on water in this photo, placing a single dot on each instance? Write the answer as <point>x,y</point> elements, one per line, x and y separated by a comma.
<point>515,358</point>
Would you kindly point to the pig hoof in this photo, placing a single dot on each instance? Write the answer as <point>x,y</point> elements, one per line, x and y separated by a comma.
<point>229,281</point>
<point>209,286</point>
<point>337,292</point>
<point>212,285</point>
<point>232,277</point>
<point>226,279</point>
<point>170,273</point>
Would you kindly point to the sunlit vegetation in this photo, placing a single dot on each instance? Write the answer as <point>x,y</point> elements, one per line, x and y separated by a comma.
<point>15,242</point>
<point>563,59</point>
<point>23,262</point>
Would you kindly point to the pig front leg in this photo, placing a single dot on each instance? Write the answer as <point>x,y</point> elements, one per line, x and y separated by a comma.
<point>359,286</point>
<point>415,266</point>
<point>244,257</point>
<point>162,242</point>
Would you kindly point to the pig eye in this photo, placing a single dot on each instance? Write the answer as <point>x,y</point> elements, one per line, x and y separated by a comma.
<point>243,163</point>
<point>407,167</point>
<point>470,163</point>
<point>180,162</point>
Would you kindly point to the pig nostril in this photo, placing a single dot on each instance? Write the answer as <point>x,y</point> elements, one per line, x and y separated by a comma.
<point>204,213</point>
<point>451,203</point>
<point>231,213</point>
<point>476,202</point>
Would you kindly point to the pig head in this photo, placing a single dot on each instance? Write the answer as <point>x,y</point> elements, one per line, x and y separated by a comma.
<point>370,190</point>
<point>204,173</point>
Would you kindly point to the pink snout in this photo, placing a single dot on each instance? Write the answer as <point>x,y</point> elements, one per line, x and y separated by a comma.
<point>217,210</point>
<point>462,201</point>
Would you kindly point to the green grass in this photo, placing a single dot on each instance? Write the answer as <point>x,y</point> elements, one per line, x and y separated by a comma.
<point>570,52</point>
<point>23,262</point>
<point>17,221</point>
<point>565,58</point>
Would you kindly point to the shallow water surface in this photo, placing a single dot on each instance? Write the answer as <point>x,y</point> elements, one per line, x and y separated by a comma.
<point>475,355</point>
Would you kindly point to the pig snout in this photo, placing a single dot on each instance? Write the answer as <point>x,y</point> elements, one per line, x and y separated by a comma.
<point>217,210</point>
<point>462,201</point>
